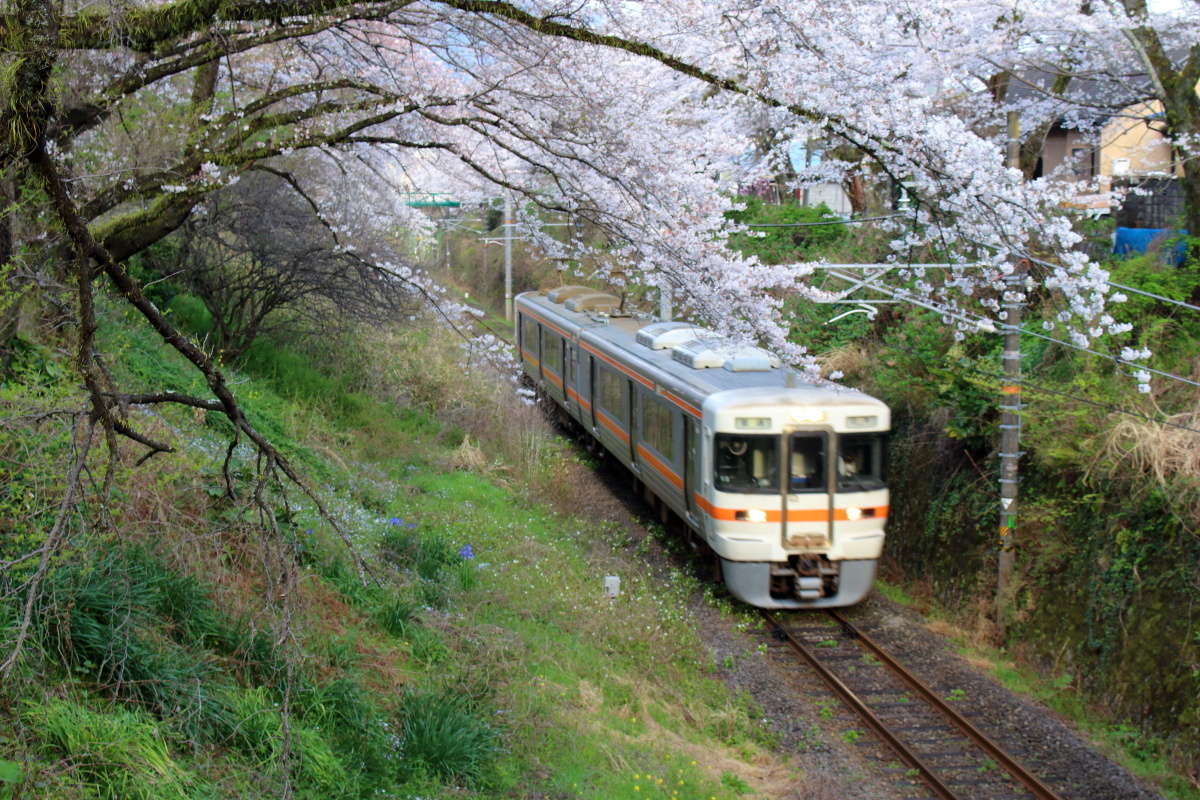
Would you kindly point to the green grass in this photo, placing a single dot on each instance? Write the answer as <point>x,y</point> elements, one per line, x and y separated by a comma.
<point>501,670</point>
<point>112,754</point>
<point>441,734</point>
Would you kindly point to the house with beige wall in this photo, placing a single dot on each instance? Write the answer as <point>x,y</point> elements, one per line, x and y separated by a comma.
<point>1130,146</point>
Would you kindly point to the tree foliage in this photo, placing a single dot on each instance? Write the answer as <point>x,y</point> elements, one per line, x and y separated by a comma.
<point>262,262</point>
<point>782,234</point>
<point>120,120</point>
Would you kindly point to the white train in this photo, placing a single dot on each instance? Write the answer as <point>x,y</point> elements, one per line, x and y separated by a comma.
<point>782,478</point>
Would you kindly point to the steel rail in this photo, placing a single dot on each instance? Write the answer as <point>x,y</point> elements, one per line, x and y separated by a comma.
<point>1014,767</point>
<point>847,694</point>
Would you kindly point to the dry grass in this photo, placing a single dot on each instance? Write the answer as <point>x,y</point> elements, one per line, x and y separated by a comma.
<point>468,457</point>
<point>504,436</point>
<point>853,361</point>
<point>765,773</point>
<point>1162,451</point>
<point>1167,453</point>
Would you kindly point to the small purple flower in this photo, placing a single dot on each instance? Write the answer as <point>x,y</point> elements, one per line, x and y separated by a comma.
<point>411,525</point>
<point>466,552</point>
<point>309,531</point>
<point>395,521</point>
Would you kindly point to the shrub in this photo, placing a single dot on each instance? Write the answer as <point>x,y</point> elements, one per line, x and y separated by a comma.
<point>433,553</point>
<point>395,615</point>
<point>779,245</point>
<point>352,724</point>
<point>427,646</point>
<point>442,736</point>
<point>257,731</point>
<point>118,754</point>
<point>191,314</point>
<point>105,619</point>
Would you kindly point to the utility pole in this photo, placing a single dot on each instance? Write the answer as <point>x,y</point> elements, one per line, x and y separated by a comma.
<point>1010,405</point>
<point>445,225</point>
<point>508,296</point>
<point>665,312</point>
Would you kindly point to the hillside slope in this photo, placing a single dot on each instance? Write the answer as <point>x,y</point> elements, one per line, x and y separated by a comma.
<point>183,642</point>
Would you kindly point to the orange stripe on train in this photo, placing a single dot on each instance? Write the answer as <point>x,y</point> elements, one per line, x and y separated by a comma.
<point>547,323</point>
<point>691,409</point>
<point>607,422</point>
<point>616,364</point>
<point>794,514</point>
<point>666,471</point>
<point>578,398</point>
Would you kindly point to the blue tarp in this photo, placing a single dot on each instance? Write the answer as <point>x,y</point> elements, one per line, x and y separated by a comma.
<point>1138,240</point>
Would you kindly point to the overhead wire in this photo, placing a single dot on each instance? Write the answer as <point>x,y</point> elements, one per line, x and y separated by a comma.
<point>1058,392</point>
<point>838,221</point>
<point>986,325</point>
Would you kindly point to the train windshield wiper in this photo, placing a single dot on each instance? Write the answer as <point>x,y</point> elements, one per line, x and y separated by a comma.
<point>859,483</point>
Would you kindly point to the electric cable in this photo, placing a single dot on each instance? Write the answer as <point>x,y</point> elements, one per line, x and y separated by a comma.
<point>988,326</point>
<point>839,221</point>
<point>1047,390</point>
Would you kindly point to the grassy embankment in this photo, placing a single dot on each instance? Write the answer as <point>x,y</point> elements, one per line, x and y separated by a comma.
<point>185,646</point>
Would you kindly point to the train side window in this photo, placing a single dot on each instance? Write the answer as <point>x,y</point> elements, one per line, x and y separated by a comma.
<point>610,394</point>
<point>529,337</point>
<point>658,426</point>
<point>551,352</point>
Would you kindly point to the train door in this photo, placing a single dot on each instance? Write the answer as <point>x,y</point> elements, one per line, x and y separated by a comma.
<point>635,420</point>
<point>570,386</point>
<point>530,349</point>
<point>591,393</point>
<point>632,411</point>
<point>807,516</point>
<point>691,472</point>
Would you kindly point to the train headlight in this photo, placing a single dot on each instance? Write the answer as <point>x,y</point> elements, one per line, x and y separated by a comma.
<point>753,515</point>
<point>853,514</point>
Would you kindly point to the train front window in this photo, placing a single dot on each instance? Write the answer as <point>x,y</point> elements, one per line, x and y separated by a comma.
<point>807,463</point>
<point>747,463</point>
<point>860,462</point>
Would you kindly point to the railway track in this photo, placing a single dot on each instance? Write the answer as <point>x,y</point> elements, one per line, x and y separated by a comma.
<point>936,745</point>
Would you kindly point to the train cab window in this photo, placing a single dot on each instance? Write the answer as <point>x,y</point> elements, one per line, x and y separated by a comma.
<point>807,463</point>
<point>746,463</point>
<point>860,462</point>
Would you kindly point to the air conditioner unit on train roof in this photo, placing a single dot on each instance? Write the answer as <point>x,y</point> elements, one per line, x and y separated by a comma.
<point>594,302</point>
<point>662,335</point>
<point>564,293</point>
<point>710,353</point>
<point>700,353</point>
<point>751,359</point>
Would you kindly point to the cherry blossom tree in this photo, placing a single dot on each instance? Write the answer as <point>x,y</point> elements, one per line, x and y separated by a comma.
<point>626,115</point>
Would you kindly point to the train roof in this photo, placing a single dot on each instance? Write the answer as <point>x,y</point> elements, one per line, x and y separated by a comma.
<point>758,374</point>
